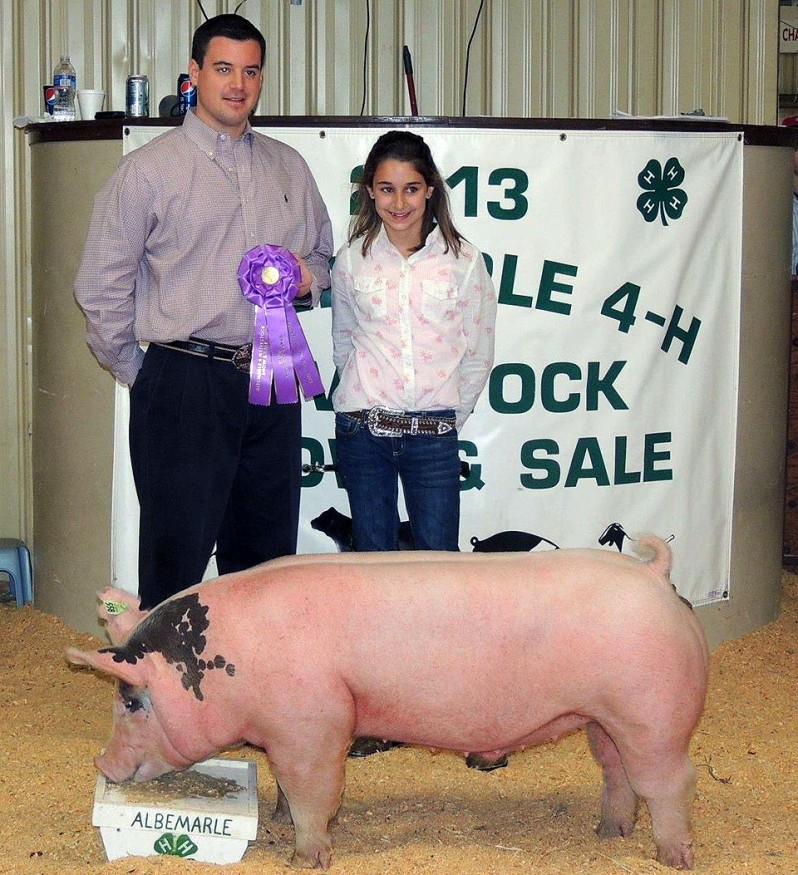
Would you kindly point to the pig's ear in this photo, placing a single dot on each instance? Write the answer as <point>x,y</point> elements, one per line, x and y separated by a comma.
<point>103,661</point>
<point>120,612</point>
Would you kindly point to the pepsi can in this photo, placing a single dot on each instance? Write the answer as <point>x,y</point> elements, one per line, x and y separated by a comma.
<point>186,93</point>
<point>50,93</point>
<point>137,97</point>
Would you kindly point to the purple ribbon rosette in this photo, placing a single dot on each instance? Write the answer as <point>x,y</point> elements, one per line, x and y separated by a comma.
<point>269,276</point>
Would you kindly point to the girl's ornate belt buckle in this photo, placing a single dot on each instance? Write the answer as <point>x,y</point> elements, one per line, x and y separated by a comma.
<point>373,421</point>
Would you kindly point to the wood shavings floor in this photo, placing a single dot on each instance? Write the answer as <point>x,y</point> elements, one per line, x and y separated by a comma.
<point>408,810</point>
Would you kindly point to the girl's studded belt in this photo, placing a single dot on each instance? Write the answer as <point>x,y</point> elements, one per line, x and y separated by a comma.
<point>384,422</point>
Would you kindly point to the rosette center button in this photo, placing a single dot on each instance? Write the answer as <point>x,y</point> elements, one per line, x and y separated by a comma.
<point>270,275</point>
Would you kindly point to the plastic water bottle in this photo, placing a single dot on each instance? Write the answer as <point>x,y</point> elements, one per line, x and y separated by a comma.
<point>64,76</point>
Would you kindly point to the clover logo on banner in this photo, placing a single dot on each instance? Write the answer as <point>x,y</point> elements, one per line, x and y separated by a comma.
<point>170,845</point>
<point>661,193</point>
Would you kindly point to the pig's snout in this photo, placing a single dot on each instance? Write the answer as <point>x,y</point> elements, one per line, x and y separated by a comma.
<point>118,772</point>
<point>113,771</point>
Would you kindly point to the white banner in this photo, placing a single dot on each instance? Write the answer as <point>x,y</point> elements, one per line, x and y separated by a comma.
<point>610,410</point>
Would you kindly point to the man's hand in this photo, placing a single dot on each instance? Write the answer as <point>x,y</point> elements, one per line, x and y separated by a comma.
<point>303,300</point>
<point>305,279</point>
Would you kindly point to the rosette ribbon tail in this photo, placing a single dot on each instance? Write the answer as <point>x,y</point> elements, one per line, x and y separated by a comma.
<point>304,365</point>
<point>269,277</point>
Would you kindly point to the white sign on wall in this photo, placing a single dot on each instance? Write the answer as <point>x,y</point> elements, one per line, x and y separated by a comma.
<point>610,410</point>
<point>788,29</point>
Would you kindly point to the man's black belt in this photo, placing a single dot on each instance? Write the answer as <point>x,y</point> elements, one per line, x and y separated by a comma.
<point>384,422</point>
<point>238,356</point>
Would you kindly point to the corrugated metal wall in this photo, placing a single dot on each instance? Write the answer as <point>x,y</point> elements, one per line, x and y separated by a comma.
<point>530,58</point>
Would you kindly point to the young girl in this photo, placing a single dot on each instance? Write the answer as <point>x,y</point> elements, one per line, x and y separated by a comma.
<point>413,317</point>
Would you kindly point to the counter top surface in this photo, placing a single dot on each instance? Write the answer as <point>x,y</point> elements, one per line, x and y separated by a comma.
<point>113,129</point>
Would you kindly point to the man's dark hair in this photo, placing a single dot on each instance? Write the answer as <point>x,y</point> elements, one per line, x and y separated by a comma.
<point>231,26</point>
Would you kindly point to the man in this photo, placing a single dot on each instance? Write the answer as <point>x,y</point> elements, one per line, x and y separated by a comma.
<point>160,266</point>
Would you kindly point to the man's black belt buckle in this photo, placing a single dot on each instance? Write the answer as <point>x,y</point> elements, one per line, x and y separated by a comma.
<point>242,358</point>
<point>239,356</point>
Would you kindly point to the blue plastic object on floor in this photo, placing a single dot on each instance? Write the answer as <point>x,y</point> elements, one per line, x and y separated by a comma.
<point>15,562</point>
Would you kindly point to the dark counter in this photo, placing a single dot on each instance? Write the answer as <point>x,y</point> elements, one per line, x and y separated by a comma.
<point>113,129</point>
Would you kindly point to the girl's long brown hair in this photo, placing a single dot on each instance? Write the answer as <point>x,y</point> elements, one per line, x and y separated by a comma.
<point>409,147</point>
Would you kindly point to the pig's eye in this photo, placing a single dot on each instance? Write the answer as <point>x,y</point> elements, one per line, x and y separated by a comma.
<point>134,698</point>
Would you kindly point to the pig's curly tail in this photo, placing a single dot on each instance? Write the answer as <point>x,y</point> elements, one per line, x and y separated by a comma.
<point>655,553</point>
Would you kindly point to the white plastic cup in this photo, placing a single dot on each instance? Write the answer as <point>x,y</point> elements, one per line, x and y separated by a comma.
<point>90,102</point>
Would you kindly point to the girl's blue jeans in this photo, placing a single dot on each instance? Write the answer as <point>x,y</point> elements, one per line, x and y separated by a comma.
<point>429,469</point>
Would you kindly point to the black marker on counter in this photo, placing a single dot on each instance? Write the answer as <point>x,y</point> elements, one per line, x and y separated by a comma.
<point>411,86</point>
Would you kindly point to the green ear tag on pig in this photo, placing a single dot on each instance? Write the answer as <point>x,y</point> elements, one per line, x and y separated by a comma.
<point>115,608</point>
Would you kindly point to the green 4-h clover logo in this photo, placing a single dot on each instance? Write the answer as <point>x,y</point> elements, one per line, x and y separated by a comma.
<point>661,193</point>
<point>170,845</point>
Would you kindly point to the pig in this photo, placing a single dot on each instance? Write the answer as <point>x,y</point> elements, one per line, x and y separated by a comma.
<point>484,654</point>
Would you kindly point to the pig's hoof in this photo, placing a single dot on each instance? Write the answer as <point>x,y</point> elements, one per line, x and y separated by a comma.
<point>366,746</point>
<point>483,764</point>
<point>678,857</point>
<point>319,859</point>
<point>612,829</point>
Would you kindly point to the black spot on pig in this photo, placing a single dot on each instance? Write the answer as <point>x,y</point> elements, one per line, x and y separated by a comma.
<point>510,542</point>
<point>133,698</point>
<point>175,629</point>
<point>338,527</point>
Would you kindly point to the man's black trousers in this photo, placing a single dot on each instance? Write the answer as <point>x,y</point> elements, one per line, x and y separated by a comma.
<point>210,469</point>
